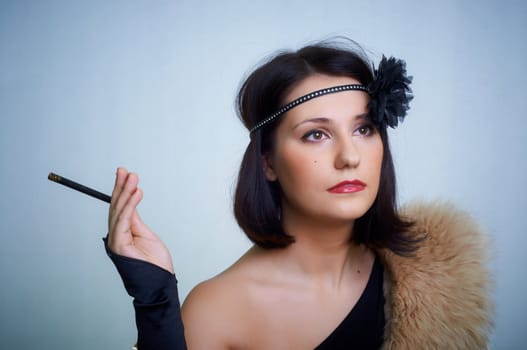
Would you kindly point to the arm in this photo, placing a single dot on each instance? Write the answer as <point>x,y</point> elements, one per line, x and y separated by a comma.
<point>145,265</point>
<point>211,318</point>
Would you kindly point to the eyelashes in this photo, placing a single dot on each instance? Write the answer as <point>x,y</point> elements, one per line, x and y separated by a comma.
<point>366,130</point>
<point>315,135</point>
<point>319,134</point>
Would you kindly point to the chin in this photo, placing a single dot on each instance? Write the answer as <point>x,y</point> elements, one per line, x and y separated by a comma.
<point>341,210</point>
<point>343,214</point>
<point>351,211</point>
<point>351,215</point>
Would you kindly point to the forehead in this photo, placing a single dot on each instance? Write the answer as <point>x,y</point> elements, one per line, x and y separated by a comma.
<point>345,103</point>
<point>317,82</point>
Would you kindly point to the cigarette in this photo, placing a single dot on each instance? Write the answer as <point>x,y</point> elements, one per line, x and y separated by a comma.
<point>78,187</point>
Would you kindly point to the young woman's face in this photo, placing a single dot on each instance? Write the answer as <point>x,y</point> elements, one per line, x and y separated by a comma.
<point>327,156</point>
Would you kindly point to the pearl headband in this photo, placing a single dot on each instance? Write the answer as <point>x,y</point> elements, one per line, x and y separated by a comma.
<point>389,91</point>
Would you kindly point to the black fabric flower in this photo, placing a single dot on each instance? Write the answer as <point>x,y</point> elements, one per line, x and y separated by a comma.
<point>390,93</point>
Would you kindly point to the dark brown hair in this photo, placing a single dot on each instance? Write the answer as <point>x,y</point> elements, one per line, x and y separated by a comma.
<point>257,201</point>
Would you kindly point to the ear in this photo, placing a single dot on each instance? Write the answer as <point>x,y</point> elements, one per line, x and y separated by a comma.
<point>268,169</point>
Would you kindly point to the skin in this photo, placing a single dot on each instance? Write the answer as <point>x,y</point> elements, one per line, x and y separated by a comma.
<point>288,298</point>
<point>128,235</point>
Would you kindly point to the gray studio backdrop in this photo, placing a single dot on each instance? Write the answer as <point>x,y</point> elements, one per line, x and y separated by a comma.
<point>150,85</point>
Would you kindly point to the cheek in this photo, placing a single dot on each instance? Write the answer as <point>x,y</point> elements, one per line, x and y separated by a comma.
<point>377,160</point>
<point>296,169</point>
<point>372,158</point>
<point>378,157</point>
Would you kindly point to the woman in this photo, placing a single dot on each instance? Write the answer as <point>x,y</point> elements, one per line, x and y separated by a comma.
<point>334,265</point>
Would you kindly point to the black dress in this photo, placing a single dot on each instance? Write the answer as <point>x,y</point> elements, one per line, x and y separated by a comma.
<point>158,317</point>
<point>363,327</point>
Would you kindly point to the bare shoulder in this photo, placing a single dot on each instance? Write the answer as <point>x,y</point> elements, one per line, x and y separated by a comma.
<point>205,314</point>
<point>216,311</point>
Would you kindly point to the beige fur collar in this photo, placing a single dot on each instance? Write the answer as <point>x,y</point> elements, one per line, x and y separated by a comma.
<point>439,298</point>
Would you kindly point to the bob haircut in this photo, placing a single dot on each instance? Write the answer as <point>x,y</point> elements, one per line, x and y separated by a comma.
<point>257,201</point>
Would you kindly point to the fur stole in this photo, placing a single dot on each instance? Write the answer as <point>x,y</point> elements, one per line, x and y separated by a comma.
<point>440,297</point>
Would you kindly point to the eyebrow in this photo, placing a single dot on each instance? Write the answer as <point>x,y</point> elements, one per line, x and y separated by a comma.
<point>324,120</point>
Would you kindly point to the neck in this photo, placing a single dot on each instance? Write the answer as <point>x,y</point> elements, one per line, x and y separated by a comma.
<point>323,250</point>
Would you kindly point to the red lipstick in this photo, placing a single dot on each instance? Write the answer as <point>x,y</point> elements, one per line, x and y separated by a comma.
<point>348,187</point>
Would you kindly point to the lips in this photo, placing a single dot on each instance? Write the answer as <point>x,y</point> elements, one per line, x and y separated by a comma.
<point>348,187</point>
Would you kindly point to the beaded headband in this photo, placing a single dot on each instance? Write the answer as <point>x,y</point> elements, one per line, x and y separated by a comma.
<point>306,98</point>
<point>389,91</point>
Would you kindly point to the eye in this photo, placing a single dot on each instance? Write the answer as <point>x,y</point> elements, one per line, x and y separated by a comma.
<point>365,130</point>
<point>314,135</point>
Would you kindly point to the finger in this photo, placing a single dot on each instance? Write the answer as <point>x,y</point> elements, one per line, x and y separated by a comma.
<point>129,187</point>
<point>123,232</point>
<point>120,178</point>
<point>140,227</point>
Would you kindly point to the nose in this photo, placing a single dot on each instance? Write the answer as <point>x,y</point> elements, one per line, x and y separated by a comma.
<point>347,155</point>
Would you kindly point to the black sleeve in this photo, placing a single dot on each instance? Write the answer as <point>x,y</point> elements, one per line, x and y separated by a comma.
<point>156,303</point>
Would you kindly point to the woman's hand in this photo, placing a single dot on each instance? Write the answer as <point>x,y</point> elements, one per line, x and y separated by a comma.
<point>128,235</point>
